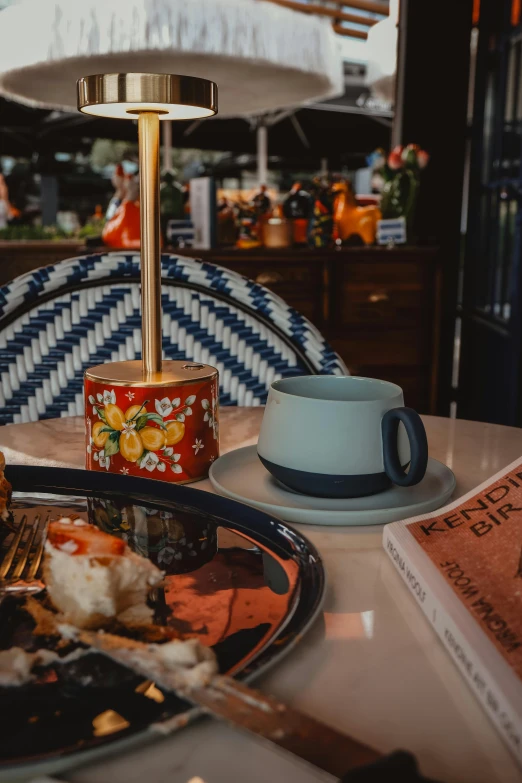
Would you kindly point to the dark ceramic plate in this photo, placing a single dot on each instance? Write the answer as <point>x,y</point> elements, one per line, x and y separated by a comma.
<point>241,581</point>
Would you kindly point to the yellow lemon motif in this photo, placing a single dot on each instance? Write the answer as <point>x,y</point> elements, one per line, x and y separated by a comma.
<point>115,416</point>
<point>152,438</point>
<point>132,411</point>
<point>131,446</point>
<point>99,438</point>
<point>175,432</point>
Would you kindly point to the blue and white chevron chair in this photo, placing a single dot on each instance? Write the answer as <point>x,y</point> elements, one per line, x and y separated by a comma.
<point>57,321</point>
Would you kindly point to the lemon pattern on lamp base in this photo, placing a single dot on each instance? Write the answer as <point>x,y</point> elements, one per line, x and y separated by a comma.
<point>164,432</point>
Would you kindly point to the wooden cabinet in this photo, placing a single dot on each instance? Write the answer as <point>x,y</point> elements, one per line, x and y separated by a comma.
<point>379,308</point>
<point>298,278</point>
<point>384,318</point>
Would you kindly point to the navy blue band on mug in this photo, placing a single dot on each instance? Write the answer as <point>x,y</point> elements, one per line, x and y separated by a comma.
<point>324,485</point>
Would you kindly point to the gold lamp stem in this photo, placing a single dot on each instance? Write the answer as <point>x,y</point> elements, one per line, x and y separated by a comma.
<point>149,143</point>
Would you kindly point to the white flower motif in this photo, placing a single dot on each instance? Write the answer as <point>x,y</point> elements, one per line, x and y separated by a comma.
<point>166,555</point>
<point>149,461</point>
<point>168,451</point>
<point>96,456</point>
<point>99,397</point>
<point>94,411</point>
<point>105,462</point>
<point>129,425</point>
<point>163,407</point>
<point>176,402</point>
<point>173,466</point>
<point>109,397</point>
<point>197,446</point>
<point>161,467</point>
<point>125,471</point>
<point>91,399</point>
<point>188,411</point>
<point>87,420</point>
<point>190,400</point>
<point>130,395</point>
<point>180,417</point>
<point>211,409</point>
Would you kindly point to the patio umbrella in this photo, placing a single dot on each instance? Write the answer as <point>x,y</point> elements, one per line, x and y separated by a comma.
<point>334,129</point>
<point>263,56</point>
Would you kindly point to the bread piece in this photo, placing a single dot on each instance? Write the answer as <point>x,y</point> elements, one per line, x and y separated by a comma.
<point>93,577</point>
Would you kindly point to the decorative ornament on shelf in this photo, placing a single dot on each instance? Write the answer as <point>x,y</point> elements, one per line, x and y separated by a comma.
<point>261,206</point>
<point>320,229</point>
<point>123,229</point>
<point>401,181</point>
<point>353,224</point>
<point>7,211</point>
<point>118,183</point>
<point>171,202</point>
<point>248,238</point>
<point>277,229</point>
<point>297,207</point>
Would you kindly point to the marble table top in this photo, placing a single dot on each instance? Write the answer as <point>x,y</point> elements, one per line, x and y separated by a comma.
<point>374,667</point>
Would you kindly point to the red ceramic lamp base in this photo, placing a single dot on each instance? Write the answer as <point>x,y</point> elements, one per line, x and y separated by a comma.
<point>164,428</point>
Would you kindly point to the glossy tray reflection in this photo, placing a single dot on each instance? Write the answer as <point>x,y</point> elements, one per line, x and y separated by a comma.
<point>239,580</point>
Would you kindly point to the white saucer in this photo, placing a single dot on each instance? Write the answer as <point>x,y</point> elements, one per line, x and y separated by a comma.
<point>241,476</point>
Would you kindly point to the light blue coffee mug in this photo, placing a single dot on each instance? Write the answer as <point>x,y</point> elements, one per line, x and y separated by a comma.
<point>341,436</point>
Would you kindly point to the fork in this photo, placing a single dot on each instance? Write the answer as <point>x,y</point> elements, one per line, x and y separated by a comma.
<point>19,568</point>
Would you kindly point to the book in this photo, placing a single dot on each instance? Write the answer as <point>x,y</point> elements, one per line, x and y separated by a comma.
<point>463,565</point>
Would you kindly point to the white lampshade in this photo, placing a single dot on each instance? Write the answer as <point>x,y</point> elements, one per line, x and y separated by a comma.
<point>262,56</point>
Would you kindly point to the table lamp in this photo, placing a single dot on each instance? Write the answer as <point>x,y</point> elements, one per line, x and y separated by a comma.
<point>150,418</point>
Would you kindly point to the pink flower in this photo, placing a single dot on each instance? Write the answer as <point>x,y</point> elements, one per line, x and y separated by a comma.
<point>395,160</point>
<point>422,159</point>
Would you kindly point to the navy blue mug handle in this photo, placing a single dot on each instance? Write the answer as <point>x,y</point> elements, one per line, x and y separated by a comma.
<point>418,446</point>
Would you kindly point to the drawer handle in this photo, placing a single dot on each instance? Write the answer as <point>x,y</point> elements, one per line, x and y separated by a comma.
<point>379,296</point>
<point>265,278</point>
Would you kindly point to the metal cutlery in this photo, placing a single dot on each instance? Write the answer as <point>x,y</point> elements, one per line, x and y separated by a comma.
<point>19,569</point>
<point>224,698</point>
<point>245,708</point>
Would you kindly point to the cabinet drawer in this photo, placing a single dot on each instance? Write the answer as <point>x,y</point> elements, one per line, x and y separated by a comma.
<point>380,273</point>
<point>269,273</point>
<point>367,349</point>
<point>301,286</point>
<point>382,305</point>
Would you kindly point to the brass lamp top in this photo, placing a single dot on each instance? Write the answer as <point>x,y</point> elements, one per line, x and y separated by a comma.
<point>173,373</point>
<point>125,95</point>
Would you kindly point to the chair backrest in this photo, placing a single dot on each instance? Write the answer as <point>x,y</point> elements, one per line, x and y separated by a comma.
<point>57,321</point>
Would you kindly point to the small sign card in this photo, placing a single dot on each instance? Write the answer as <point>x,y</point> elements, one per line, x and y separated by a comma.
<point>391,232</point>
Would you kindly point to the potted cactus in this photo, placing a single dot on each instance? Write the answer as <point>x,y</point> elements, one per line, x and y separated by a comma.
<point>401,175</point>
